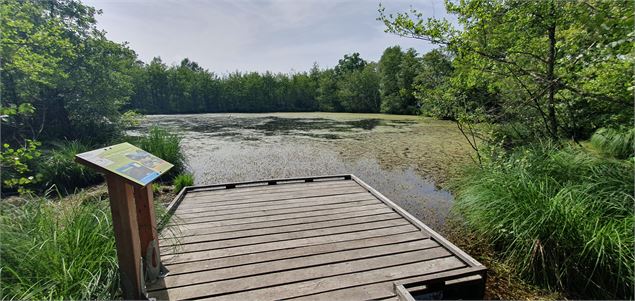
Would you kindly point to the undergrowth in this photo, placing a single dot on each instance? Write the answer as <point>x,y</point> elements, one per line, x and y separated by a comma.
<point>560,216</point>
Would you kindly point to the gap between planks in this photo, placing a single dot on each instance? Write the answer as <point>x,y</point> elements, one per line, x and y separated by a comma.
<point>274,212</point>
<point>297,252</point>
<point>218,253</point>
<point>277,280</point>
<point>281,237</point>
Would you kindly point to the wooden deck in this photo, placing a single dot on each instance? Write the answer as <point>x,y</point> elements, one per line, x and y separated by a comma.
<point>322,238</point>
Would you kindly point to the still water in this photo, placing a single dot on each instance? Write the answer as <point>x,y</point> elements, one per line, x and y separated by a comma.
<point>407,158</point>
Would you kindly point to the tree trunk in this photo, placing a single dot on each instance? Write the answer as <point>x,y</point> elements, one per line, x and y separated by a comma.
<point>551,61</point>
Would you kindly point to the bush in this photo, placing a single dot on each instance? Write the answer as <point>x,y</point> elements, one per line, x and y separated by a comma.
<point>60,169</point>
<point>562,217</point>
<point>53,250</point>
<point>165,145</point>
<point>182,180</point>
<point>617,143</point>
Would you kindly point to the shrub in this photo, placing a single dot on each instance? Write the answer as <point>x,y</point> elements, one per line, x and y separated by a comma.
<point>51,250</point>
<point>60,169</point>
<point>182,180</point>
<point>618,143</point>
<point>17,167</point>
<point>562,217</point>
<point>165,145</point>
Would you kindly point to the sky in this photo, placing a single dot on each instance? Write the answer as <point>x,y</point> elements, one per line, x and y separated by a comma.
<point>259,35</point>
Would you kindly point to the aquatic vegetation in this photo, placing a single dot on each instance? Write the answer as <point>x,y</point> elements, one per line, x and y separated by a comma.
<point>182,180</point>
<point>165,145</point>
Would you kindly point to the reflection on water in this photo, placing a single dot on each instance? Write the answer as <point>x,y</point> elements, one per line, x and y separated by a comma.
<point>393,156</point>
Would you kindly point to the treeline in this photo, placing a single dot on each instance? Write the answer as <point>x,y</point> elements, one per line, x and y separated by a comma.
<point>353,85</point>
<point>63,79</point>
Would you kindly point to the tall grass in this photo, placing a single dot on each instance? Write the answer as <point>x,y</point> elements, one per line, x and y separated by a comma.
<point>165,145</point>
<point>60,249</point>
<point>618,143</point>
<point>562,217</point>
<point>182,180</point>
<point>60,170</point>
<point>57,250</point>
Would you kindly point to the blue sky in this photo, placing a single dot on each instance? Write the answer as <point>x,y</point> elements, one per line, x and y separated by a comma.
<point>275,35</point>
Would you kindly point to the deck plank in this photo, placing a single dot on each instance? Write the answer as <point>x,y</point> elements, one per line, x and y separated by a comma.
<point>292,263</point>
<point>265,197</point>
<point>281,237</point>
<point>230,261</point>
<point>274,230</point>
<point>276,204</point>
<point>280,217</point>
<point>260,189</point>
<point>273,212</point>
<point>216,253</point>
<point>344,281</point>
<point>326,240</point>
<point>284,277</point>
<point>186,231</point>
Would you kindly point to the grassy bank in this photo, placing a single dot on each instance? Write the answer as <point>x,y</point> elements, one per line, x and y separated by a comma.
<point>558,217</point>
<point>61,245</point>
<point>62,249</point>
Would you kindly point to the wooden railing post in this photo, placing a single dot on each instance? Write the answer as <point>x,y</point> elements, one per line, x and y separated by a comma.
<point>124,221</point>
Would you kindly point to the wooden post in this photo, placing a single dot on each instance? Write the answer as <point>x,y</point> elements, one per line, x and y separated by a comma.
<point>149,238</point>
<point>129,172</point>
<point>124,220</point>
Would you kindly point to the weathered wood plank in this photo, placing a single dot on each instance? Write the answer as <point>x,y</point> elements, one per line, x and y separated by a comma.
<point>291,203</point>
<point>281,229</point>
<point>450,246</point>
<point>259,189</point>
<point>280,278</point>
<point>274,212</point>
<point>281,237</point>
<point>324,213</point>
<point>346,280</point>
<point>185,232</point>
<point>217,253</point>
<point>188,267</point>
<point>291,263</point>
<point>190,202</point>
<point>379,290</point>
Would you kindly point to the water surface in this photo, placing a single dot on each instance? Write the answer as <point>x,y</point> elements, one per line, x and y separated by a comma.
<point>404,157</point>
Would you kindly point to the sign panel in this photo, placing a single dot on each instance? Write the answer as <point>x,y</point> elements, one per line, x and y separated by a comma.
<point>128,161</point>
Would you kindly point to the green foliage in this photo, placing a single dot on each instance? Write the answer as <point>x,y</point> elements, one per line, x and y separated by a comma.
<point>618,143</point>
<point>58,63</point>
<point>165,145</point>
<point>397,72</point>
<point>51,250</point>
<point>182,180</point>
<point>556,66</point>
<point>17,165</point>
<point>358,90</point>
<point>60,170</point>
<point>562,217</point>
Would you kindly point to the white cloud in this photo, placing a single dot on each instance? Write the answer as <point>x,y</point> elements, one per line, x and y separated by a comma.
<point>259,35</point>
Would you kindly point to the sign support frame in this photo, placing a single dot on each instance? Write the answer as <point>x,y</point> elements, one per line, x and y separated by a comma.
<point>135,229</point>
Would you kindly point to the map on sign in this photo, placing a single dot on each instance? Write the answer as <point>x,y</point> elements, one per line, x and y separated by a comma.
<point>128,161</point>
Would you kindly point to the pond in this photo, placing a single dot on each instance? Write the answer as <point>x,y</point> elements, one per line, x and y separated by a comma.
<point>407,158</point>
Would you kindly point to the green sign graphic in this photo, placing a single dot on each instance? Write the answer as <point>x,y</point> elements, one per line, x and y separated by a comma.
<point>128,161</point>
